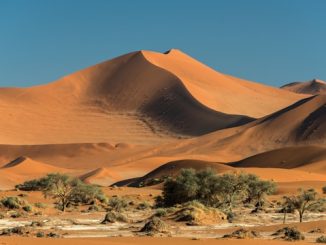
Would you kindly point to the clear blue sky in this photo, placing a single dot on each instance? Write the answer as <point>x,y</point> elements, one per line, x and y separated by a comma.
<point>269,41</point>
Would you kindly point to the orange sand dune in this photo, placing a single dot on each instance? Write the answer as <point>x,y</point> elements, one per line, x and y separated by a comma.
<point>79,155</point>
<point>100,176</point>
<point>173,168</point>
<point>314,87</point>
<point>309,158</point>
<point>268,173</point>
<point>219,91</point>
<point>138,98</point>
<point>299,124</point>
<point>23,169</point>
<point>149,107</point>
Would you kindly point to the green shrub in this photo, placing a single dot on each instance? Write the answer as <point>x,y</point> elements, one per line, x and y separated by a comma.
<point>40,205</point>
<point>143,206</point>
<point>289,234</point>
<point>117,204</point>
<point>183,189</point>
<point>15,215</point>
<point>102,198</point>
<point>242,234</point>
<point>40,234</point>
<point>36,224</point>
<point>20,230</point>
<point>27,208</point>
<point>161,212</point>
<point>53,235</point>
<point>34,185</point>
<point>11,202</point>
<point>214,190</point>
<point>324,189</point>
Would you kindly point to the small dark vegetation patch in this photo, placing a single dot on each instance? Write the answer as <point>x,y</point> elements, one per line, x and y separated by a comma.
<point>321,239</point>
<point>289,234</point>
<point>243,234</point>
<point>155,225</point>
<point>113,216</point>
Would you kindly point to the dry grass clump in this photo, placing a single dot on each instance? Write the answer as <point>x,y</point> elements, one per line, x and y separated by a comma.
<point>113,216</point>
<point>155,225</point>
<point>289,234</point>
<point>243,234</point>
<point>195,213</point>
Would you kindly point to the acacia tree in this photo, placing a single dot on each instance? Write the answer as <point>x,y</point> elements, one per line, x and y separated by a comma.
<point>60,187</point>
<point>230,188</point>
<point>257,189</point>
<point>307,199</point>
<point>67,190</point>
<point>214,190</point>
<point>182,189</point>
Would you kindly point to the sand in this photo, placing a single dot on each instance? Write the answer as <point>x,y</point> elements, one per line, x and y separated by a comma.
<point>143,241</point>
<point>313,87</point>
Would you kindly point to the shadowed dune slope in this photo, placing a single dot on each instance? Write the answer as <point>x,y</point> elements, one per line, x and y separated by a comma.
<point>309,158</point>
<point>139,98</point>
<point>302,121</point>
<point>313,87</point>
<point>299,124</point>
<point>222,92</point>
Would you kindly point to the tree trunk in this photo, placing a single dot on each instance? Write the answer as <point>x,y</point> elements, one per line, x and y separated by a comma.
<point>301,217</point>
<point>63,205</point>
<point>284,218</point>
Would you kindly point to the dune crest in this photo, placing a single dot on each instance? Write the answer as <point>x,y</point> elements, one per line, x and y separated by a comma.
<point>312,87</point>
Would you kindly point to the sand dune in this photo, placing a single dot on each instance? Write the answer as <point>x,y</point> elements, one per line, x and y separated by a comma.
<point>23,169</point>
<point>309,158</point>
<point>313,87</point>
<point>299,124</point>
<point>25,165</point>
<point>218,91</point>
<point>173,168</point>
<point>138,98</point>
<point>274,173</point>
<point>100,176</point>
<point>149,109</point>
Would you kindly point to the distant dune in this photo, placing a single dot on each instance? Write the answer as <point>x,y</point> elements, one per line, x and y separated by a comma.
<point>275,172</point>
<point>302,123</point>
<point>24,168</point>
<point>310,158</point>
<point>313,87</point>
<point>173,168</point>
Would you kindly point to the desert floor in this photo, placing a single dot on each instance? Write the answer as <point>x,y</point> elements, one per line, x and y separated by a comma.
<point>137,241</point>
